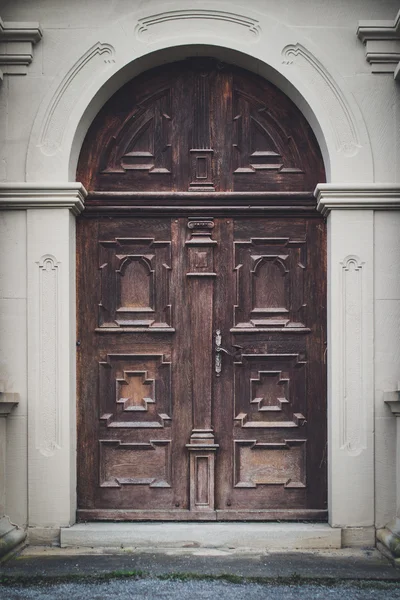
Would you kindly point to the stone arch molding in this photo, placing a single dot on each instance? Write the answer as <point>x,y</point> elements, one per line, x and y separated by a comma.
<point>143,40</point>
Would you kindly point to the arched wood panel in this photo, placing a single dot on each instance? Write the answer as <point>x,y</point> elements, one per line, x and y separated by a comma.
<point>200,125</point>
<point>200,235</point>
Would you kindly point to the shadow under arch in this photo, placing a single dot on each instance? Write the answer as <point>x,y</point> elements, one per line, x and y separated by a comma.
<point>177,53</point>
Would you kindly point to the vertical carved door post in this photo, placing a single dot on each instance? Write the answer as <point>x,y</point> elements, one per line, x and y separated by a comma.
<point>202,446</point>
<point>201,153</point>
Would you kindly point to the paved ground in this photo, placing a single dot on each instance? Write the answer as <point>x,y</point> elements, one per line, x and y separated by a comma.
<point>45,562</point>
<point>198,590</point>
<point>198,574</point>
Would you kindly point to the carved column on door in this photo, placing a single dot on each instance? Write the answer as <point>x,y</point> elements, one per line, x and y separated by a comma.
<point>201,153</point>
<point>202,446</point>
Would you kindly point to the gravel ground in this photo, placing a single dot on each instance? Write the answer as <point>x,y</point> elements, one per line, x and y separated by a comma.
<point>155,589</point>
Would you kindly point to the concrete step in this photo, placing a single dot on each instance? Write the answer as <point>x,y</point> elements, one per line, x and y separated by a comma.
<point>240,536</point>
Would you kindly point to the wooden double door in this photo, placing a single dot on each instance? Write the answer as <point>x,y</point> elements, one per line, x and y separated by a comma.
<point>201,303</point>
<point>202,380</point>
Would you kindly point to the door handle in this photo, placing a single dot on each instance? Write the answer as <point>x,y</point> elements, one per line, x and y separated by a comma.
<point>219,350</point>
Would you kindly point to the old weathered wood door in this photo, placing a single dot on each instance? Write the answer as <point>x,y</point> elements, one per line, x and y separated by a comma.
<point>201,303</point>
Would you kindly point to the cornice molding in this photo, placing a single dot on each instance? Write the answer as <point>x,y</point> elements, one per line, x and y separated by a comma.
<point>371,196</point>
<point>382,44</point>
<point>16,46</point>
<point>19,196</point>
<point>392,400</point>
<point>8,401</point>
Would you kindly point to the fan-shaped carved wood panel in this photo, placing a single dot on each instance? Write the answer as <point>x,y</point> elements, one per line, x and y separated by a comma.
<point>200,125</point>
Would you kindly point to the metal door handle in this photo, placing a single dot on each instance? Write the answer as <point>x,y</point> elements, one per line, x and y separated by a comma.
<point>218,352</point>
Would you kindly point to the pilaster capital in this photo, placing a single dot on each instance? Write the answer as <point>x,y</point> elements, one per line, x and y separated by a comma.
<point>8,401</point>
<point>392,400</point>
<point>17,196</point>
<point>357,196</point>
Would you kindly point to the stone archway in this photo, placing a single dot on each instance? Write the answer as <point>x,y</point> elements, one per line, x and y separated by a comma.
<point>300,71</point>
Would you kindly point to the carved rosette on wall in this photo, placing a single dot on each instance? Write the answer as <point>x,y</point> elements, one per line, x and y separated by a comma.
<point>202,446</point>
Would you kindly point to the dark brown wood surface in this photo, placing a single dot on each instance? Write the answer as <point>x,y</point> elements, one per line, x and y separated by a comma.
<point>200,219</point>
<point>203,126</point>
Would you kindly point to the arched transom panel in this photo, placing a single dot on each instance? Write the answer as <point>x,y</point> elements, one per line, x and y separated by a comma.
<point>200,125</point>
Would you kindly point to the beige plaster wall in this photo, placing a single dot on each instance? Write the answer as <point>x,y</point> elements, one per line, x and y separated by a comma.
<point>13,356</point>
<point>387,358</point>
<point>339,78</point>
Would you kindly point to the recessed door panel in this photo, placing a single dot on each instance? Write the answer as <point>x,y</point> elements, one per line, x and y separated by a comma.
<point>188,424</point>
<point>201,303</point>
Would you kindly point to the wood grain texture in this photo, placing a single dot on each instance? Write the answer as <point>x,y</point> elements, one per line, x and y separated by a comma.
<point>200,218</point>
<point>200,125</point>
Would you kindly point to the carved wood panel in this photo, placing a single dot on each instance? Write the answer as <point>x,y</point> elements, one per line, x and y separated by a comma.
<point>201,303</point>
<point>165,433</point>
<point>268,389</point>
<point>270,305</point>
<point>201,126</point>
<point>270,463</point>
<point>135,391</point>
<point>270,282</point>
<point>135,463</point>
<point>134,283</point>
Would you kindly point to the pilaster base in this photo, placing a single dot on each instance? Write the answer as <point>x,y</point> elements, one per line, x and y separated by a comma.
<point>388,541</point>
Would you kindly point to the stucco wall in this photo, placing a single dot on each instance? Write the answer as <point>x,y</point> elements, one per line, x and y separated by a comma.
<point>89,49</point>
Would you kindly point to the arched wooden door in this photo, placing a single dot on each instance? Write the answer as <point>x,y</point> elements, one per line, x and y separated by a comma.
<point>201,303</point>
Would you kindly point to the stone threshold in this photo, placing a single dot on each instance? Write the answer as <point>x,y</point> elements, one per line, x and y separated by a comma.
<point>222,536</point>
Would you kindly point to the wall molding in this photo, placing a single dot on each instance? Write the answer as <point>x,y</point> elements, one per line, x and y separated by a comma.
<point>342,120</point>
<point>99,56</point>
<point>16,46</point>
<point>379,196</point>
<point>382,44</point>
<point>151,27</point>
<point>48,413</point>
<point>19,196</point>
<point>353,422</point>
<point>392,400</point>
